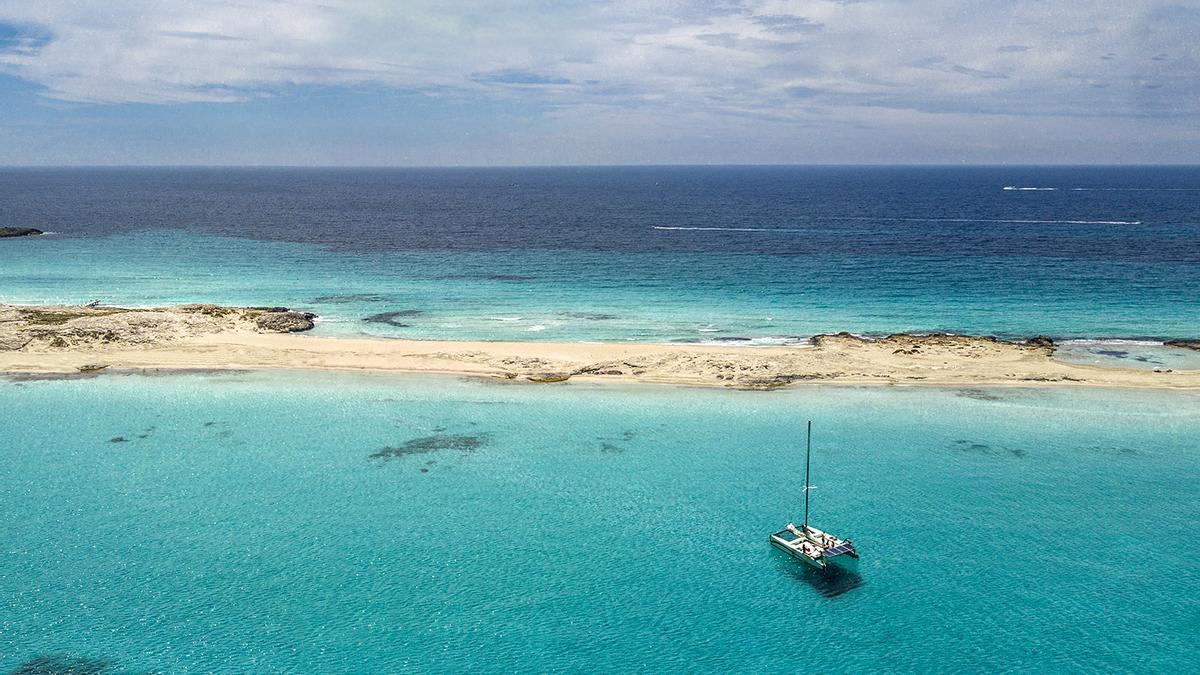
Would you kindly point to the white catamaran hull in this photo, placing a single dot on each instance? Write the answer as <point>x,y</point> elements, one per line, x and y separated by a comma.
<point>790,547</point>
<point>798,555</point>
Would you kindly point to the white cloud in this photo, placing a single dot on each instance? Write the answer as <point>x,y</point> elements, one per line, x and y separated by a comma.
<point>868,68</point>
<point>934,55</point>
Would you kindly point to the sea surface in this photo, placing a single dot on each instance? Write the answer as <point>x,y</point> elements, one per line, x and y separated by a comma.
<point>694,254</point>
<point>344,523</point>
<point>319,522</point>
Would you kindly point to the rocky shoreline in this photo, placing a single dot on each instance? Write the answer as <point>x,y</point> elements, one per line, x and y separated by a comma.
<point>82,326</point>
<point>206,337</point>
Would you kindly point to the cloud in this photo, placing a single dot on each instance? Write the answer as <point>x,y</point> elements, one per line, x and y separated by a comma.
<point>693,64</point>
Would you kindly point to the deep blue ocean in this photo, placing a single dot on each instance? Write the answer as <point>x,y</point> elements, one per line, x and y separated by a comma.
<point>313,522</point>
<point>648,254</point>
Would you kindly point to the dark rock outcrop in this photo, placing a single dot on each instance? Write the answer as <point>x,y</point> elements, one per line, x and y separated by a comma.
<point>285,322</point>
<point>1041,341</point>
<point>18,232</point>
<point>549,377</point>
<point>1186,344</point>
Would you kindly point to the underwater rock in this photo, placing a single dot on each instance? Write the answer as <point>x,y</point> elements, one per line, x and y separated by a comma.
<point>591,316</point>
<point>390,318</point>
<point>978,395</point>
<point>62,664</point>
<point>346,298</point>
<point>426,444</point>
<point>487,277</point>
<point>18,232</point>
<point>1186,344</point>
<point>285,322</point>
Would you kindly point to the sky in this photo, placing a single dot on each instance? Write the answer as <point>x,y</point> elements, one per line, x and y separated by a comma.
<point>421,83</point>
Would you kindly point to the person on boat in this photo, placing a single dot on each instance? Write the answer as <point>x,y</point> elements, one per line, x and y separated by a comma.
<point>792,528</point>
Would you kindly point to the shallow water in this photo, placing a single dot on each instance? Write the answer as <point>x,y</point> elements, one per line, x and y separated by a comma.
<point>313,522</point>
<point>1128,354</point>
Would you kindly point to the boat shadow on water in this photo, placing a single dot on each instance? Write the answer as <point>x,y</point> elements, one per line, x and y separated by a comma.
<point>831,582</point>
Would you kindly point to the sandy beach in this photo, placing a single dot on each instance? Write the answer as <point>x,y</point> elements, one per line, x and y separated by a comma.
<point>63,339</point>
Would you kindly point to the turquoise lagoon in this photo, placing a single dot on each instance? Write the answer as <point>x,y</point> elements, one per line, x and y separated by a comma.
<point>260,522</point>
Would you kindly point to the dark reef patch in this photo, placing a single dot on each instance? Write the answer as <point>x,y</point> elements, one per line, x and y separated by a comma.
<point>47,377</point>
<point>978,395</point>
<point>63,664</point>
<point>591,316</point>
<point>965,446</point>
<point>610,448</point>
<point>118,439</point>
<point>392,318</point>
<point>1123,451</point>
<point>487,277</point>
<point>1114,353</point>
<point>427,444</point>
<point>346,298</point>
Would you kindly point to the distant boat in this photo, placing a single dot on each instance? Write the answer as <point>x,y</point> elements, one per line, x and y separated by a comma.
<point>813,546</point>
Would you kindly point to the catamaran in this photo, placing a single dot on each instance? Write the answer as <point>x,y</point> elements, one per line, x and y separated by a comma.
<point>807,543</point>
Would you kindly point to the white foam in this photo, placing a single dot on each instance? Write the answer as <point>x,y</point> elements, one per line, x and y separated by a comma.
<point>903,220</point>
<point>1007,220</point>
<point>1115,342</point>
<point>710,330</point>
<point>723,229</point>
<point>759,342</point>
<point>506,318</point>
<point>534,329</point>
<point>1030,189</point>
<point>1133,189</point>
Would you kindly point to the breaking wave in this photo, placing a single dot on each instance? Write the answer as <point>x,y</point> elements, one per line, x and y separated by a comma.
<point>724,229</point>
<point>1133,189</point>
<point>903,220</point>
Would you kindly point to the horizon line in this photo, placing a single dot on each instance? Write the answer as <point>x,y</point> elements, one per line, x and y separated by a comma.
<point>5,167</point>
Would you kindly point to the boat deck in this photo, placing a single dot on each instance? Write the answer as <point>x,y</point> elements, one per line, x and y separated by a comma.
<point>813,545</point>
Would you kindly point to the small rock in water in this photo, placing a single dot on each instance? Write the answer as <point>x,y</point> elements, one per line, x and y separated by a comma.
<point>19,232</point>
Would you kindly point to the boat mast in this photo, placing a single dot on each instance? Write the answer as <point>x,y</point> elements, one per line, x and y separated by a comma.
<point>807,460</point>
